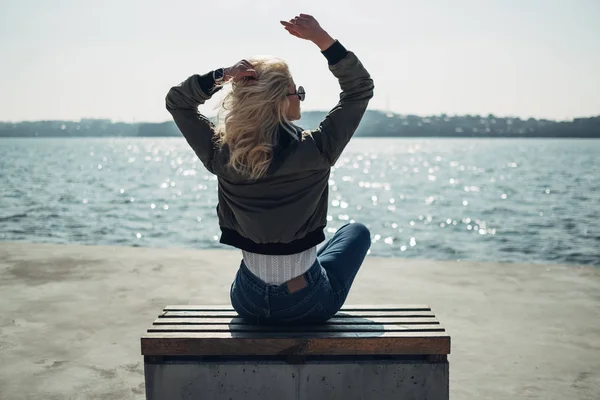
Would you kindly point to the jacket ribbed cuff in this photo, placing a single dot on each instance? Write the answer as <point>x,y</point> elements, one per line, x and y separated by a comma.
<point>335,53</point>
<point>207,84</point>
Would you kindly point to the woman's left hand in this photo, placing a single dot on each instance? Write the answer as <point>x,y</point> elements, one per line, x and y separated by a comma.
<point>240,71</point>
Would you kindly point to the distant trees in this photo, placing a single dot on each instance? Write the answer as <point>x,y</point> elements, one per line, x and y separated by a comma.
<point>83,128</point>
<point>374,123</point>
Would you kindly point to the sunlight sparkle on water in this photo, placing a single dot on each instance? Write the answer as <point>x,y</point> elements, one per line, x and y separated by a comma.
<point>433,188</point>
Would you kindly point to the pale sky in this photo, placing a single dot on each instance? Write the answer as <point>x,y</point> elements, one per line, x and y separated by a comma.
<point>72,59</point>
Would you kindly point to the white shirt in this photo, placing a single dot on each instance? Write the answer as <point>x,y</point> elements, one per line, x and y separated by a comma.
<point>275,269</point>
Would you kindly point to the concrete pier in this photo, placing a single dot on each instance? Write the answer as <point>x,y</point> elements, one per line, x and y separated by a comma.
<point>71,318</point>
<point>383,380</point>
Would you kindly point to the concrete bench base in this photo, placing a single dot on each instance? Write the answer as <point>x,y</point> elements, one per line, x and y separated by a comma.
<point>387,378</point>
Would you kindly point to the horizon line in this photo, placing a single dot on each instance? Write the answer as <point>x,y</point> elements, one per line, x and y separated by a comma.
<point>451,115</point>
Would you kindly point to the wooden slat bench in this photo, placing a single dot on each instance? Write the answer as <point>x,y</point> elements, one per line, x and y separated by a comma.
<point>364,352</point>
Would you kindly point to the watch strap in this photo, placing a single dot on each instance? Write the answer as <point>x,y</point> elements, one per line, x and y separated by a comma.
<point>219,75</point>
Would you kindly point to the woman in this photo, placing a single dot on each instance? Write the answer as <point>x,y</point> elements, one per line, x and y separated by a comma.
<point>273,179</point>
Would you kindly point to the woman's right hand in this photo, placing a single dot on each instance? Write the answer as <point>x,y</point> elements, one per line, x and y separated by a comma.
<point>306,27</point>
<point>242,70</point>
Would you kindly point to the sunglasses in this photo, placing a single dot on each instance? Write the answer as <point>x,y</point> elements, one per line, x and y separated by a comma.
<point>299,92</point>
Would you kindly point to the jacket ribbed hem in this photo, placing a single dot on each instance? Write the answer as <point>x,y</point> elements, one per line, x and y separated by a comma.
<point>232,238</point>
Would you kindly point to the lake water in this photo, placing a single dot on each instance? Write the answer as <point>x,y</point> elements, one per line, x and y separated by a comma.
<point>515,200</point>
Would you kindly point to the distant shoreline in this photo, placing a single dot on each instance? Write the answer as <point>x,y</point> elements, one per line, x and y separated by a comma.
<point>373,124</point>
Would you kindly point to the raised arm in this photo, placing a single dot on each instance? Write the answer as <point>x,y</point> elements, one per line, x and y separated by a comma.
<point>336,130</point>
<point>182,102</point>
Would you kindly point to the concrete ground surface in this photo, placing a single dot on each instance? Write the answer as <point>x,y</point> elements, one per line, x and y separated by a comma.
<point>71,318</point>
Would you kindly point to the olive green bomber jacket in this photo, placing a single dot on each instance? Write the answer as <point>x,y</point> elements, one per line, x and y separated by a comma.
<point>285,211</point>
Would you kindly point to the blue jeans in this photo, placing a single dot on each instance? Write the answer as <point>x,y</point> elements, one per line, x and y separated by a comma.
<point>328,282</point>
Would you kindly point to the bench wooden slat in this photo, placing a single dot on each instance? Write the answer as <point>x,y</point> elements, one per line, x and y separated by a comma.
<point>303,336</point>
<point>332,321</point>
<point>292,343</point>
<point>297,329</point>
<point>361,330</point>
<point>365,314</point>
<point>360,307</point>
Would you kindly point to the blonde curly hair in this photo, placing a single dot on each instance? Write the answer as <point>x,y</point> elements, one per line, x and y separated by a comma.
<point>255,110</point>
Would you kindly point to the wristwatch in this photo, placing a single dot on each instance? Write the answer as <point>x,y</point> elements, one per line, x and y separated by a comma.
<point>219,76</point>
